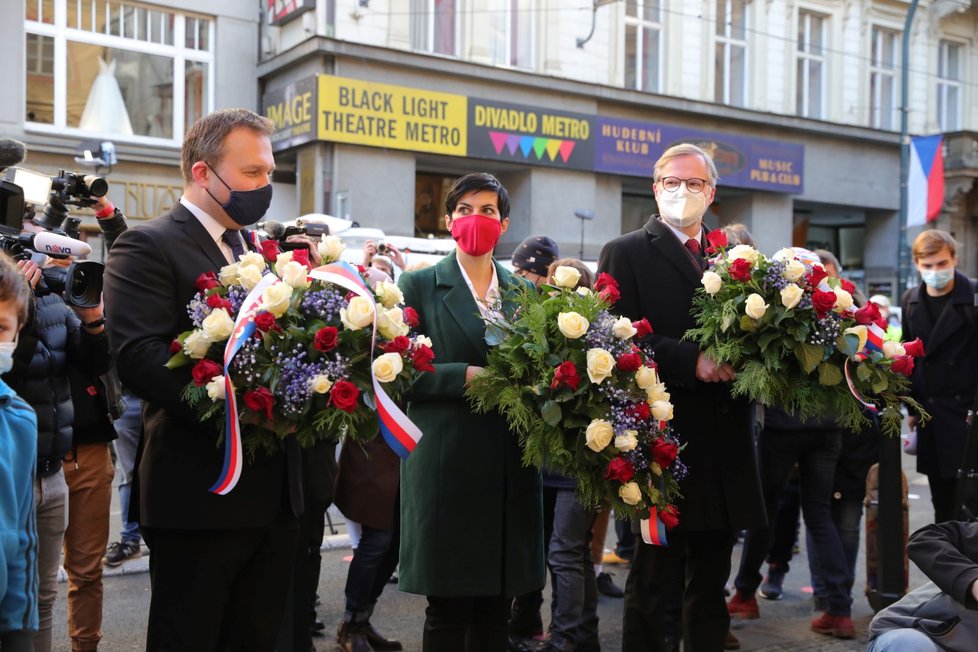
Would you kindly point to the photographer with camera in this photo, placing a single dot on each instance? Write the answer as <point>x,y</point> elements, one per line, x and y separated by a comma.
<point>382,255</point>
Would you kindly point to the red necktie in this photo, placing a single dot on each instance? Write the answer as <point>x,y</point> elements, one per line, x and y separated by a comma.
<point>693,246</point>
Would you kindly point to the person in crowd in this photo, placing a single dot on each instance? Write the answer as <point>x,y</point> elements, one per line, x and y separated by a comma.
<point>221,564</point>
<point>723,494</point>
<point>941,312</point>
<point>18,460</point>
<point>384,256</point>
<point>604,579</point>
<point>532,258</point>
<point>834,269</point>
<point>471,513</point>
<point>941,615</point>
<point>894,331</point>
<point>128,429</point>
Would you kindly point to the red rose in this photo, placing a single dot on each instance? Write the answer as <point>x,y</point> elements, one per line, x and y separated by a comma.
<point>206,281</point>
<point>717,240</point>
<point>815,276</point>
<point>270,250</point>
<point>411,317</point>
<point>629,362</point>
<point>265,321</point>
<point>823,302</point>
<point>642,327</point>
<point>915,348</point>
<point>399,344</point>
<point>566,374</point>
<point>216,301</point>
<point>664,452</point>
<point>868,314</point>
<point>204,370</point>
<point>301,256</point>
<point>903,364</point>
<point>343,395</point>
<point>260,401</point>
<point>326,338</point>
<point>620,470</point>
<point>640,411</point>
<point>847,285</point>
<point>175,346</point>
<point>610,294</point>
<point>669,516</point>
<point>422,357</point>
<point>740,270</point>
<point>605,280</point>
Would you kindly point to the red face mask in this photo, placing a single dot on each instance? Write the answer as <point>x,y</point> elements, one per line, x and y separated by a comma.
<point>476,235</point>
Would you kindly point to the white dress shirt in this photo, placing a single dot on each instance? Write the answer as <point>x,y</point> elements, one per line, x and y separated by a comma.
<point>214,228</point>
<point>492,294</point>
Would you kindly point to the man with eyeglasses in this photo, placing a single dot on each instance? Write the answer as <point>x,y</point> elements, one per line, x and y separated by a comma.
<point>658,269</point>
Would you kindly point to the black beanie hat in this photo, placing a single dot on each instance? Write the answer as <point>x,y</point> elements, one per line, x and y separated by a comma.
<point>535,254</point>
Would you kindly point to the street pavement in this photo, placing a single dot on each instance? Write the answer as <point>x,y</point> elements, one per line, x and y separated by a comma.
<point>783,626</point>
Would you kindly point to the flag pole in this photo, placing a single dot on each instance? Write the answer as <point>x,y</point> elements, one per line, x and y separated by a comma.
<point>903,251</point>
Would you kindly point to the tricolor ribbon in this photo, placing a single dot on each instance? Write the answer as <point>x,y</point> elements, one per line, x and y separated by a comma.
<point>244,327</point>
<point>855,392</point>
<point>398,430</point>
<point>653,529</point>
<point>874,341</point>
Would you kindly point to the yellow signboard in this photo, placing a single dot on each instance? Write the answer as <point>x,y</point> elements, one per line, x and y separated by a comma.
<point>381,115</point>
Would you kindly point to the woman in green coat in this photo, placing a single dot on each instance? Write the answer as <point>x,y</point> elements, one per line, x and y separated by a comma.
<point>471,515</point>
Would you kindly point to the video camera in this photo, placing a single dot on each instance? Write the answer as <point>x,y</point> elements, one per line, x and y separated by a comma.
<point>279,232</point>
<point>80,284</point>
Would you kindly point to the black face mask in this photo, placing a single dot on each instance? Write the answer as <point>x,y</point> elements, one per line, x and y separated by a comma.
<point>245,206</point>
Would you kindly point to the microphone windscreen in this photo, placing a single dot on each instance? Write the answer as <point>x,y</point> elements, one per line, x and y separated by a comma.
<point>275,230</point>
<point>52,243</point>
<point>12,152</point>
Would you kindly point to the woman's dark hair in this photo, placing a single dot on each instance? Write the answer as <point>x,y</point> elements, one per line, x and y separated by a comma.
<point>14,288</point>
<point>475,182</point>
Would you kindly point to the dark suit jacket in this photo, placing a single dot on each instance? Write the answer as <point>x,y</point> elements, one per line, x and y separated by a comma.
<point>657,277</point>
<point>149,279</point>
<point>944,381</point>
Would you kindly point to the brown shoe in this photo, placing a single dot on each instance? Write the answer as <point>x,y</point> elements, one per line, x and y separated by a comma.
<point>743,606</point>
<point>378,642</point>
<point>351,637</point>
<point>837,626</point>
<point>731,643</point>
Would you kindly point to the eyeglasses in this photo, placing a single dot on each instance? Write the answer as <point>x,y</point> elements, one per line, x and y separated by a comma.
<point>693,184</point>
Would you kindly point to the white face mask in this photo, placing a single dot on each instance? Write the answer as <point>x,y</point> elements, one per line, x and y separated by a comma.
<point>7,355</point>
<point>680,207</point>
<point>937,278</point>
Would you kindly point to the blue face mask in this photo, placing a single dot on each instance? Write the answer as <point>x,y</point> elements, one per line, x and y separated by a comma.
<point>7,355</point>
<point>245,207</point>
<point>937,278</point>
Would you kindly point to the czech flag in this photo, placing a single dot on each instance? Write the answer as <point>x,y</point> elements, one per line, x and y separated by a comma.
<point>925,182</point>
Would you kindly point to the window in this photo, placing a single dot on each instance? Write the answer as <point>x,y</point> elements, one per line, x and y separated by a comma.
<point>434,26</point>
<point>511,27</point>
<point>731,52</point>
<point>116,69</point>
<point>811,65</point>
<point>949,86</point>
<point>643,44</point>
<point>882,79</point>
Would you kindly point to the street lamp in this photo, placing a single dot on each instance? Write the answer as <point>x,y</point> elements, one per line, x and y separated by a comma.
<point>583,214</point>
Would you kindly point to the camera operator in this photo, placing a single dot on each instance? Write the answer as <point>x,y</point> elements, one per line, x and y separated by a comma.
<point>58,338</point>
<point>382,255</point>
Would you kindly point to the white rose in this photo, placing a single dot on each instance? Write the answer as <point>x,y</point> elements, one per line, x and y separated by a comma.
<point>630,493</point>
<point>791,295</point>
<point>423,340</point>
<point>662,410</point>
<point>218,325</point>
<point>276,297</point>
<point>253,259</point>
<point>645,377</point>
<point>785,253</point>
<point>572,325</point>
<point>598,435</point>
<point>390,295</point>
<point>755,307</point>
<point>330,248</point>
<point>891,349</point>
<point>584,291</point>
<point>387,366</point>
<point>657,392</point>
<point>249,276</point>
<point>229,274</point>
<point>623,328</point>
<point>843,300</point>
<point>390,323</point>
<point>215,388</point>
<point>794,270</point>
<point>295,274</point>
<point>627,441</point>
<point>711,282</point>
<point>566,277</point>
<point>358,314</point>
<point>862,333</point>
<point>746,252</point>
<point>320,383</point>
<point>281,261</point>
<point>600,365</point>
<point>196,345</point>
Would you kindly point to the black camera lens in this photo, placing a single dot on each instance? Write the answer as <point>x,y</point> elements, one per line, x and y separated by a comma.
<point>383,248</point>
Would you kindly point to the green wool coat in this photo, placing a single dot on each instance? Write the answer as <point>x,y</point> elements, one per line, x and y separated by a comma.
<point>471,513</point>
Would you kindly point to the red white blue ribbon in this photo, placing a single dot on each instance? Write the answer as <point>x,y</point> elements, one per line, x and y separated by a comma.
<point>855,392</point>
<point>398,430</point>
<point>653,529</point>
<point>244,327</point>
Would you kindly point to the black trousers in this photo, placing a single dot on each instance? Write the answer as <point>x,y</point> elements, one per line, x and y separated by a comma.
<point>704,556</point>
<point>467,624</point>
<point>219,589</point>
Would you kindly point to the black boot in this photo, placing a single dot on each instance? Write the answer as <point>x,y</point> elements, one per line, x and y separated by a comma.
<point>378,642</point>
<point>352,638</point>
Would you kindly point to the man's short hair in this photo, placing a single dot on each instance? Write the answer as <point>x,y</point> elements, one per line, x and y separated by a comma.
<point>475,182</point>
<point>14,288</point>
<point>933,241</point>
<point>205,138</point>
<point>685,149</point>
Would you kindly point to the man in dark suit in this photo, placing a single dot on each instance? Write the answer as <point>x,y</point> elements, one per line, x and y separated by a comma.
<point>220,565</point>
<point>658,268</point>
